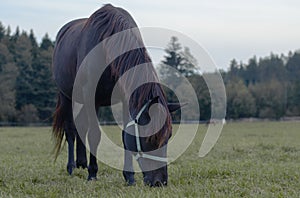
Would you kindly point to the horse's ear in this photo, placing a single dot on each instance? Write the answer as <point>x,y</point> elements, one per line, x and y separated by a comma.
<point>145,117</point>
<point>175,106</point>
<point>153,100</point>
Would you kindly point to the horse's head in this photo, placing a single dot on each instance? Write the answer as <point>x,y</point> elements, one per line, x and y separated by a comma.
<point>147,135</point>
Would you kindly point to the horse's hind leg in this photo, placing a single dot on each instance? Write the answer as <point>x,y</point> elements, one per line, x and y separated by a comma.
<point>70,136</point>
<point>81,160</point>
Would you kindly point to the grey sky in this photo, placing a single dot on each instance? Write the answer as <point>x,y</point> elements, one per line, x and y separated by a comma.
<point>227,29</point>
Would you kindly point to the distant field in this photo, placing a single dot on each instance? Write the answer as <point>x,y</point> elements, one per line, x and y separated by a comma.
<point>250,160</point>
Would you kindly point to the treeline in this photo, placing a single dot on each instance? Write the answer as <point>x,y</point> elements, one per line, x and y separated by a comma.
<point>267,87</point>
<point>263,88</point>
<point>27,91</point>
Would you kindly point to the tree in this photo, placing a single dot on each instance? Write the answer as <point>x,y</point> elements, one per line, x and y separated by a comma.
<point>8,31</point>
<point>43,86</point>
<point>181,60</point>
<point>7,92</point>
<point>188,65</point>
<point>240,102</point>
<point>8,73</point>
<point>270,99</point>
<point>28,114</point>
<point>24,80</point>
<point>293,99</point>
<point>293,67</point>
<point>2,31</point>
<point>16,35</point>
<point>270,68</point>
<point>173,57</point>
<point>177,62</point>
<point>234,68</point>
<point>46,43</point>
<point>251,72</point>
<point>4,55</point>
<point>203,96</point>
<point>34,47</point>
<point>235,71</point>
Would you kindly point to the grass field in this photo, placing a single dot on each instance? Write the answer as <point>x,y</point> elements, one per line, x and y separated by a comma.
<point>250,160</point>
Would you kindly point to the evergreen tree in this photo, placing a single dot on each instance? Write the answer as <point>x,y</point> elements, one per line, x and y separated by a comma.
<point>173,57</point>
<point>234,71</point>
<point>272,67</point>
<point>293,67</point>
<point>188,65</point>
<point>44,89</point>
<point>34,45</point>
<point>24,81</point>
<point>7,92</point>
<point>251,71</point>
<point>2,31</point>
<point>8,74</point>
<point>8,31</point>
<point>46,43</point>
<point>181,60</point>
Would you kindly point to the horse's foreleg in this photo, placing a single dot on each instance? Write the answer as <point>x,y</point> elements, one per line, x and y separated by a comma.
<point>93,168</point>
<point>94,139</point>
<point>70,136</point>
<point>128,171</point>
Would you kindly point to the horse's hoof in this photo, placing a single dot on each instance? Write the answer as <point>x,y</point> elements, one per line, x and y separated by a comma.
<point>129,178</point>
<point>70,169</point>
<point>92,178</point>
<point>130,183</point>
<point>82,165</point>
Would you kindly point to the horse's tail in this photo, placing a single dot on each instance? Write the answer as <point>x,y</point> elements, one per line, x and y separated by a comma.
<point>58,126</point>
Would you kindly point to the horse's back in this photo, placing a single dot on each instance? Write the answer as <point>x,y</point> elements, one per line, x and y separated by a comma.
<point>77,38</point>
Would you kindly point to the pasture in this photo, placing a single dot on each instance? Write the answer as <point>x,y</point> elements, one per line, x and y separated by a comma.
<point>249,160</point>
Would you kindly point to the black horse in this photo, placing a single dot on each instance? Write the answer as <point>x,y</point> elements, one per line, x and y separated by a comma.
<point>74,41</point>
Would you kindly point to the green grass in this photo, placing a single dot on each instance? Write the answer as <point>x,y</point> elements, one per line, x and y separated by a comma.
<point>249,160</point>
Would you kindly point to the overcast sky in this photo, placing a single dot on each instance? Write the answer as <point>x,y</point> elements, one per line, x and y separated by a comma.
<point>226,29</point>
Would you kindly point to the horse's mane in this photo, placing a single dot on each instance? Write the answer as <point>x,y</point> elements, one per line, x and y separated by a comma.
<point>110,20</point>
